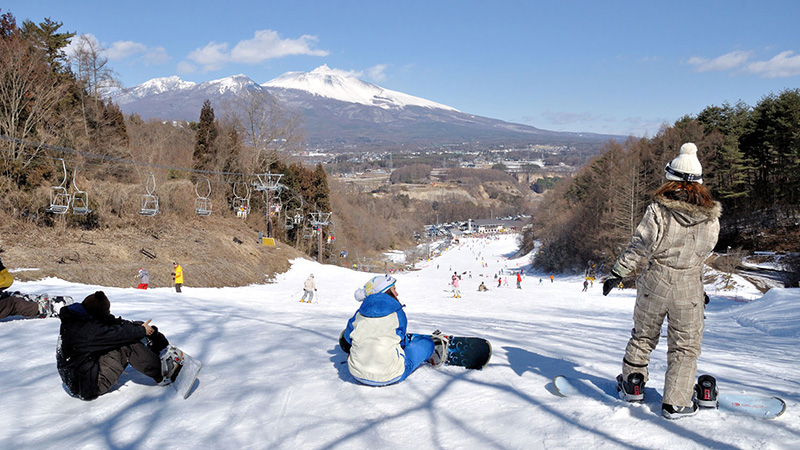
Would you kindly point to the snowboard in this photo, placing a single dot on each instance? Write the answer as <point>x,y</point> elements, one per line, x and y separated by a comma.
<point>761,406</point>
<point>190,367</point>
<point>467,352</point>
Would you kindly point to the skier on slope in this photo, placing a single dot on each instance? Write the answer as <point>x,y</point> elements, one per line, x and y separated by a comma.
<point>309,287</point>
<point>456,289</point>
<point>376,337</point>
<point>142,278</point>
<point>27,305</point>
<point>677,233</point>
<point>94,348</point>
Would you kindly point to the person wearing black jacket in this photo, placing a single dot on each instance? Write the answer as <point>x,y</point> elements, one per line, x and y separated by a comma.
<point>95,347</point>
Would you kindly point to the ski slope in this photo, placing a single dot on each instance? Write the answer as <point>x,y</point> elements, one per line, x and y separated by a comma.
<point>274,377</point>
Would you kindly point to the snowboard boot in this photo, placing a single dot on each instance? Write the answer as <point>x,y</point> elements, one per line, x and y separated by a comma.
<point>632,389</point>
<point>171,363</point>
<point>705,392</point>
<point>156,342</point>
<point>676,412</point>
<point>58,302</point>
<point>45,305</point>
<point>440,344</point>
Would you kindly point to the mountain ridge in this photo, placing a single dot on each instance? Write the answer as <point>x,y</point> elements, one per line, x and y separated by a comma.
<point>340,109</point>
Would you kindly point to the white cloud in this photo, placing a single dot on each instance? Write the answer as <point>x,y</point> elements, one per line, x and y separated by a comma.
<point>186,67</point>
<point>213,56</point>
<point>265,45</point>
<point>121,50</point>
<point>124,49</point>
<point>377,72</point>
<point>780,66</point>
<point>727,61</point>
<point>156,56</point>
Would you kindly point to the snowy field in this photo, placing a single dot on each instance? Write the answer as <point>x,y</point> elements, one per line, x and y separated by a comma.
<point>274,376</point>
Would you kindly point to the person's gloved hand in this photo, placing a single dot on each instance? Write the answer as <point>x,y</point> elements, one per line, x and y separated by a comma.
<point>611,283</point>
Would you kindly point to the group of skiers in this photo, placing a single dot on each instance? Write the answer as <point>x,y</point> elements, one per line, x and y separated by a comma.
<point>678,231</point>
<point>143,277</point>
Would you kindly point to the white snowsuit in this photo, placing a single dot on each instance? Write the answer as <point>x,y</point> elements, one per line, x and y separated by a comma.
<point>670,245</point>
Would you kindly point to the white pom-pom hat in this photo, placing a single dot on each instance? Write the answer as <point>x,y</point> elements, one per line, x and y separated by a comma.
<point>381,283</point>
<point>686,166</point>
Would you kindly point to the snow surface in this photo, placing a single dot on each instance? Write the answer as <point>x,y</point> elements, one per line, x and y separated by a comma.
<point>338,85</point>
<point>274,376</point>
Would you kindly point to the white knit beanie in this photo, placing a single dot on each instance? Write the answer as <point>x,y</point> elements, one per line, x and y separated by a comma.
<point>381,283</point>
<point>686,166</point>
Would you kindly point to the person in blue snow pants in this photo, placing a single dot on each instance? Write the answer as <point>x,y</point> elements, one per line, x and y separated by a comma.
<point>376,338</point>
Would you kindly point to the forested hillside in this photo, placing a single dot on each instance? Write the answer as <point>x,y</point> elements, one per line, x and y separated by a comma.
<point>751,163</point>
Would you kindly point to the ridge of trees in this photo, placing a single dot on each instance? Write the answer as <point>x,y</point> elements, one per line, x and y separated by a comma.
<point>751,163</point>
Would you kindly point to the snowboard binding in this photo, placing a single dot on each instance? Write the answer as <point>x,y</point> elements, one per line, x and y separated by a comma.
<point>632,389</point>
<point>706,391</point>
<point>171,363</point>
<point>440,342</point>
<point>49,306</point>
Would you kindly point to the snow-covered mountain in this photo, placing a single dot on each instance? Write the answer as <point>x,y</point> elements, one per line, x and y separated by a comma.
<point>336,85</point>
<point>339,109</point>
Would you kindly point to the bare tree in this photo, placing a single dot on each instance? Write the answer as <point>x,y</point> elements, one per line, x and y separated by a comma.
<point>264,124</point>
<point>29,95</point>
<point>90,66</point>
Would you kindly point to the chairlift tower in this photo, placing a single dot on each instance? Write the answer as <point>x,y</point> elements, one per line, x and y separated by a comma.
<point>319,220</point>
<point>269,184</point>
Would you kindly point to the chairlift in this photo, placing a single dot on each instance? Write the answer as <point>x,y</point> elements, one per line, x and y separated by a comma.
<point>202,204</point>
<point>80,199</point>
<point>150,199</point>
<point>59,197</point>
<point>241,204</point>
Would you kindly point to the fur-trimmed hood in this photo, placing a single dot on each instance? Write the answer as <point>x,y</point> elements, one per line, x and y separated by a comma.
<point>688,214</point>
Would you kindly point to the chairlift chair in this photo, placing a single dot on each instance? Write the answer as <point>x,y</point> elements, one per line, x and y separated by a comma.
<point>60,199</point>
<point>202,204</point>
<point>80,199</point>
<point>241,204</point>
<point>150,199</point>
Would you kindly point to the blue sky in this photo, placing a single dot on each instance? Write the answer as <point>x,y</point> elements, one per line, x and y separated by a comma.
<point>621,67</point>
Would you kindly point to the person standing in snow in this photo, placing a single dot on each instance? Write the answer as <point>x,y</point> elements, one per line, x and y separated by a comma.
<point>677,233</point>
<point>376,337</point>
<point>309,287</point>
<point>94,348</point>
<point>519,280</point>
<point>143,279</point>
<point>177,276</point>
<point>456,290</point>
<point>585,285</point>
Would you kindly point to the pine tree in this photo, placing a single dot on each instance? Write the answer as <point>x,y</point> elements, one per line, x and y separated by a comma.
<point>205,137</point>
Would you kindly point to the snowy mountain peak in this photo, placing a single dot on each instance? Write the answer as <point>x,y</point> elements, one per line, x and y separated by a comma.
<point>152,87</point>
<point>233,84</point>
<point>344,86</point>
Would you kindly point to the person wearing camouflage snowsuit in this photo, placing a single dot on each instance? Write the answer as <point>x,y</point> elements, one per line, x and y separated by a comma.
<point>677,233</point>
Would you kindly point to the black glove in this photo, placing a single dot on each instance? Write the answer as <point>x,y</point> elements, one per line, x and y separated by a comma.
<point>611,283</point>
<point>705,298</point>
<point>343,343</point>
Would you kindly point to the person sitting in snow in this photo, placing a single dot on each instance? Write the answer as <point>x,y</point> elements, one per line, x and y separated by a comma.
<point>94,348</point>
<point>482,287</point>
<point>26,305</point>
<point>380,351</point>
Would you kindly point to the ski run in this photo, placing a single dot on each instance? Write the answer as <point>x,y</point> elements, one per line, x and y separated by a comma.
<point>274,377</point>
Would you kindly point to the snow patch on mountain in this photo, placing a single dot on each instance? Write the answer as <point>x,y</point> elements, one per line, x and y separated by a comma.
<point>335,84</point>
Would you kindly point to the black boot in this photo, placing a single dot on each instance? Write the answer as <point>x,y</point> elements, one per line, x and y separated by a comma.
<point>705,392</point>
<point>632,389</point>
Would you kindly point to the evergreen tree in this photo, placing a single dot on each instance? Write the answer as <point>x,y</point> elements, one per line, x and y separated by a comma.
<point>205,137</point>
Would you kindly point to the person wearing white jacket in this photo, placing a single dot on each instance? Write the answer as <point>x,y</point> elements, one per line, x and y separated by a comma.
<point>309,287</point>
<point>376,337</point>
